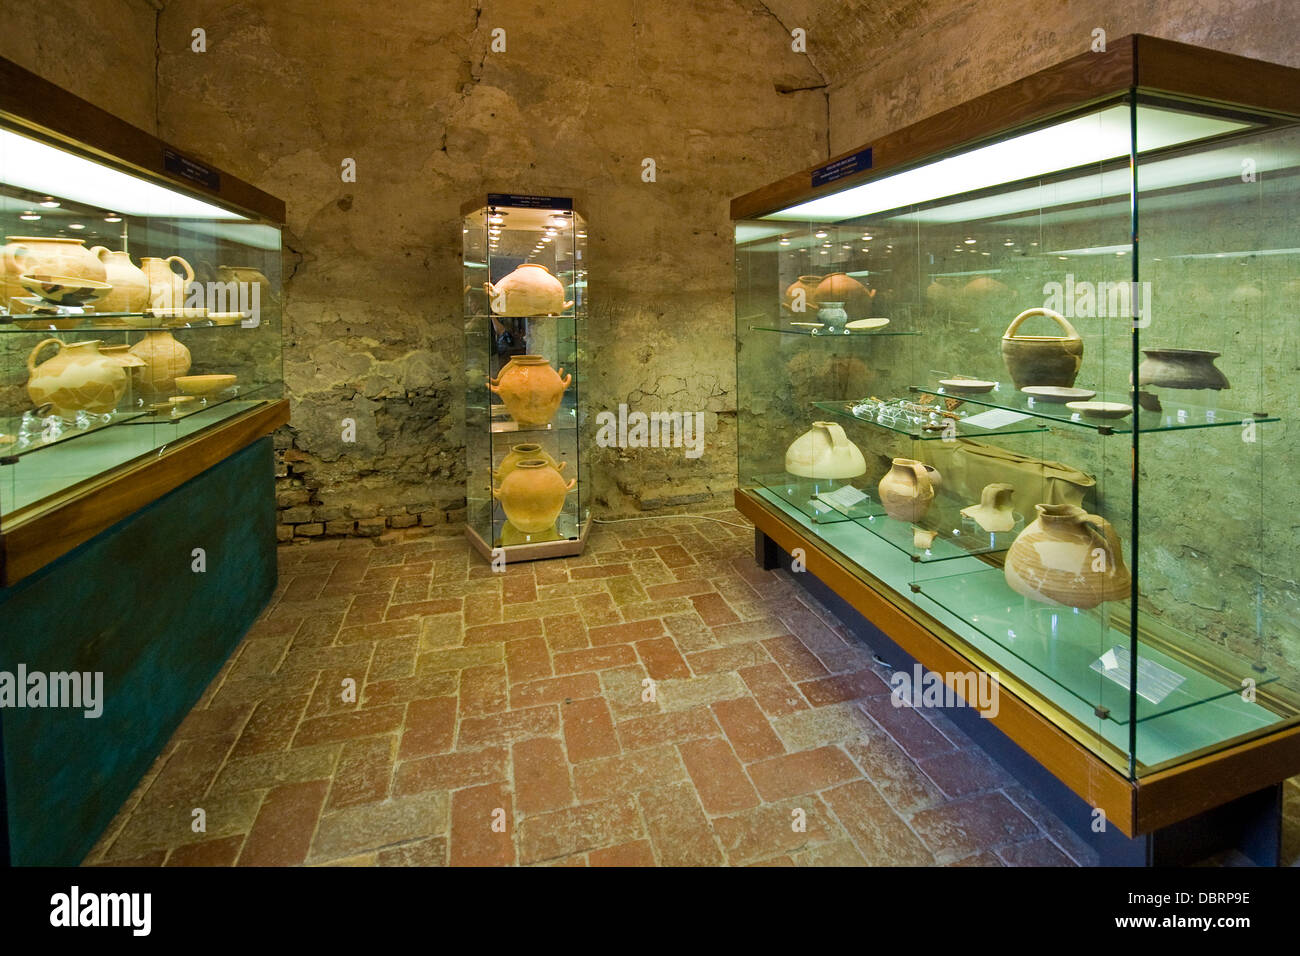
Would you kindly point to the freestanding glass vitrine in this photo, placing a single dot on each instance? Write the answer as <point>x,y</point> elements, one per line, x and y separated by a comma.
<point>955,315</point>
<point>525,294</point>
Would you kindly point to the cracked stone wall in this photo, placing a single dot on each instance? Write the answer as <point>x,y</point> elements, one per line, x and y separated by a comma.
<point>583,92</point>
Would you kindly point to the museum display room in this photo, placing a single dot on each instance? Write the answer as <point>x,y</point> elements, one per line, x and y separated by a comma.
<point>667,434</point>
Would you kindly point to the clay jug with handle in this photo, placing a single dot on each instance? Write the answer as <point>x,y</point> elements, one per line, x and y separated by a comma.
<point>130,292</point>
<point>78,378</point>
<point>1042,359</point>
<point>1067,556</point>
<point>166,286</point>
<point>906,491</point>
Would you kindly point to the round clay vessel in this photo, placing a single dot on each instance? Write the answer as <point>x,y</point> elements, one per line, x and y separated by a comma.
<point>825,452</point>
<point>1067,556</point>
<point>1181,368</point>
<point>530,389</point>
<point>809,286</point>
<point>78,378</point>
<point>166,286</point>
<point>529,290</point>
<point>906,490</point>
<point>852,294</point>
<point>521,452</point>
<point>1042,359</point>
<point>130,285</point>
<point>29,255</point>
<point>165,360</point>
<point>532,495</point>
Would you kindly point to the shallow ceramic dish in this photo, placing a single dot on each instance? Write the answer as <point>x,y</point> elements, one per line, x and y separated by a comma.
<point>969,386</point>
<point>1058,393</point>
<point>1100,409</point>
<point>204,384</point>
<point>63,290</point>
<point>808,325</point>
<point>866,325</point>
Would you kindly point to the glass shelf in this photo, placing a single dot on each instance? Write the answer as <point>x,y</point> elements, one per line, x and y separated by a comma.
<point>801,494</point>
<point>956,536</point>
<point>839,333</point>
<point>10,426</point>
<point>1173,415</point>
<point>102,322</point>
<point>916,432</point>
<point>1061,643</point>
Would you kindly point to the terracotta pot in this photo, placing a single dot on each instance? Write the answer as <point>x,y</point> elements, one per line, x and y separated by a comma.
<point>824,451</point>
<point>838,287</point>
<point>519,453</point>
<point>130,291</point>
<point>1042,359</point>
<point>165,360</point>
<point>532,495</point>
<point>809,286</point>
<point>994,512</point>
<point>984,289</point>
<point>906,491</point>
<point>529,290</point>
<point>31,255</point>
<point>166,286</point>
<point>78,378</point>
<point>1067,556</point>
<point>530,389</point>
<point>1181,368</point>
<point>249,276</point>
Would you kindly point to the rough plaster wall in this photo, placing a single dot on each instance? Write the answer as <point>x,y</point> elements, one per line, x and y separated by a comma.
<point>582,94</point>
<point>103,51</point>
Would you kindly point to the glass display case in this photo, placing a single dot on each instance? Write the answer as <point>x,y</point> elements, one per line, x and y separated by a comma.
<point>525,286</point>
<point>935,351</point>
<point>136,311</point>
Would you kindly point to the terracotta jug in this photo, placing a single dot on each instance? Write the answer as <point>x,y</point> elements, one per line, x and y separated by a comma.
<point>25,255</point>
<point>906,491</point>
<point>809,286</point>
<point>1067,556</point>
<point>130,291</point>
<point>839,287</point>
<point>529,290</point>
<point>166,286</point>
<point>532,495</point>
<point>824,451</point>
<point>994,512</point>
<point>78,378</point>
<point>530,389</point>
<point>164,359</point>
<point>1042,359</point>
<point>519,453</point>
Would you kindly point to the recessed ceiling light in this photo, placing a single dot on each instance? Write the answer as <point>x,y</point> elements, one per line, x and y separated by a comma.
<point>49,202</point>
<point>30,216</point>
<point>820,233</point>
<point>112,217</point>
<point>969,241</point>
<point>784,242</point>
<point>1009,242</point>
<point>76,225</point>
<point>866,237</point>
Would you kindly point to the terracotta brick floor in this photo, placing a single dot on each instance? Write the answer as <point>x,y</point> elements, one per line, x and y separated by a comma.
<point>401,704</point>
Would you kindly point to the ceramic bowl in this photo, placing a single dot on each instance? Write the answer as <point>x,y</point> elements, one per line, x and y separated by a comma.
<point>1059,394</point>
<point>1100,409</point>
<point>866,325</point>
<point>204,384</point>
<point>63,290</point>
<point>968,386</point>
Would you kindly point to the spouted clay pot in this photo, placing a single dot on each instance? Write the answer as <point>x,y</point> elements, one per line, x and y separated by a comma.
<point>1042,359</point>
<point>33,255</point>
<point>839,287</point>
<point>824,451</point>
<point>530,389</point>
<point>1067,556</point>
<point>78,378</point>
<point>994,512</point>
<point>804,303</point>
<point>906,490</point>
<point>165,360</point>
<point>529,290</point>
<point>532,495</point>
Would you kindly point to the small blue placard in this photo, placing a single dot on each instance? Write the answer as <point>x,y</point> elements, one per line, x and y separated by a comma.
<point>844,166</point>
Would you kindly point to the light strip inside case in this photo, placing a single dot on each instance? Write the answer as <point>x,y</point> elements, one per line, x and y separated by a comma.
<point>1094,138</point>
<point>31,164</point>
